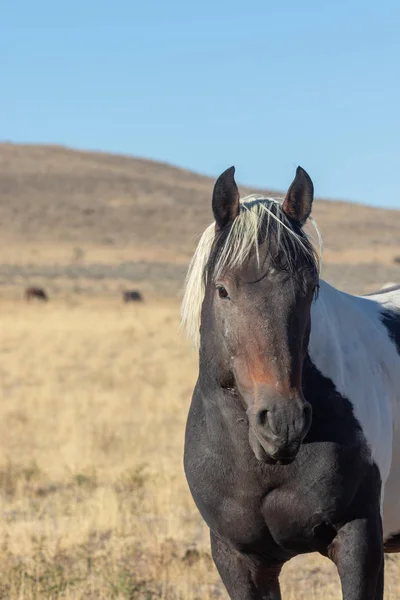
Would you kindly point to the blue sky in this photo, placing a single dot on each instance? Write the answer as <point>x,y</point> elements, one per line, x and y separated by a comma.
<point>262,85</point>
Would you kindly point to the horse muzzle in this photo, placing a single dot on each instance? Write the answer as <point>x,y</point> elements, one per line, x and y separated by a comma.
<point>277,428</point>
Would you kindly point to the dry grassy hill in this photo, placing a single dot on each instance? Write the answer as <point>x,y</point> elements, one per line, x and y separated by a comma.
<point>68,215</point>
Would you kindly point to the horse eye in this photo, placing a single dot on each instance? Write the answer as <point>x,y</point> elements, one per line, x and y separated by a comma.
<point>222,292</point>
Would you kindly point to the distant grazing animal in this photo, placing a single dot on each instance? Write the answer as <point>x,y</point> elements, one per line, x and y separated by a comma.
<point>132,296</point>
<point>32,293</point>
<point>293,435</point>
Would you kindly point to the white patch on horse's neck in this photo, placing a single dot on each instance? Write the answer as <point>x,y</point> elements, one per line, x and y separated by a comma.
<point>350,345</point>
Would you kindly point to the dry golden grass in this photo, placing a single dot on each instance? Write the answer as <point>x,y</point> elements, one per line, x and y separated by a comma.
<point>94,398</point>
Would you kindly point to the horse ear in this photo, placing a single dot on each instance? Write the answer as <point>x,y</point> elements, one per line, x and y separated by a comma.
<point>299,198</point>
<point>225,200</point>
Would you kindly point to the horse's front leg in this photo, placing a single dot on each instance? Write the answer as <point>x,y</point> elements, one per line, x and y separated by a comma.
<point>357,551</point>
<point>242,577</point>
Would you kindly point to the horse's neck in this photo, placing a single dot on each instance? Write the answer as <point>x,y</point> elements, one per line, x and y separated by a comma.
<point>351,345</point>
<point>347,337</point>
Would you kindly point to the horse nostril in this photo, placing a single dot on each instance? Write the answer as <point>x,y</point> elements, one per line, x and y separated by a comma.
<point>265,421</point>
<point>262,418</point>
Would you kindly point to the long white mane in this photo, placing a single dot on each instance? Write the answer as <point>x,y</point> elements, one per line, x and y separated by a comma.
<point>243,238</point>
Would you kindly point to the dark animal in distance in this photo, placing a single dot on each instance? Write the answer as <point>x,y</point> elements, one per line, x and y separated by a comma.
<point>36,293</point>
<point>132,296</point>
<point>293,435</point>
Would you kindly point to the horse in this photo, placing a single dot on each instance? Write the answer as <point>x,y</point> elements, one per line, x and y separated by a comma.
<point>292,441</point>
<point>32,293</point>
<point>132,296</point>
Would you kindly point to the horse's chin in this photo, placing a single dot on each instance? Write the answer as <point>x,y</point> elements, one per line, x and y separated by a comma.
<point>262,454</point>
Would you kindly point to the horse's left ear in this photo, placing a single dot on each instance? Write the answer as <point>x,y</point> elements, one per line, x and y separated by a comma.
<point>299,198</point>
<point>225,200</point>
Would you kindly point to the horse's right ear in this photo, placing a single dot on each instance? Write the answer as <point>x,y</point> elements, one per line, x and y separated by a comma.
<point>225,200</point>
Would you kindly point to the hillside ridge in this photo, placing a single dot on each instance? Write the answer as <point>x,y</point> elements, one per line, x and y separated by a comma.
<point>56,201</point>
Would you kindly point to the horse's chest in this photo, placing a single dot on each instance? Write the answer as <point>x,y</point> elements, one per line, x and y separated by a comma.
<point>253,509</point>
<point>265,518</point>
<point>228,498</point>
<point>300,519</point>
<point>258,506</point>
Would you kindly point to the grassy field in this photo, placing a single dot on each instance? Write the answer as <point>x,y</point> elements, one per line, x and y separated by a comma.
<point>94,504</point>
<point>94,394</point>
